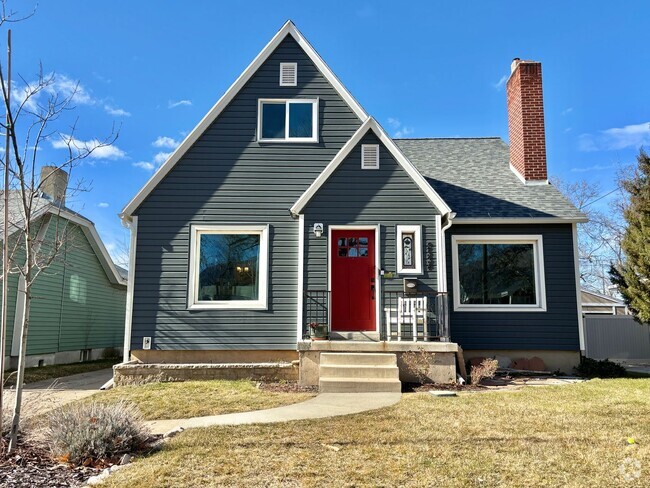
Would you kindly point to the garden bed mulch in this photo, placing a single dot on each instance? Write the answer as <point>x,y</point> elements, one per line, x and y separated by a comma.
<point>32,466</point>
<point>498,383</point>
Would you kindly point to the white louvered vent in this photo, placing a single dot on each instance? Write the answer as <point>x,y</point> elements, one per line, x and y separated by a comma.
<point>370,156</point>
<point>288,74</point>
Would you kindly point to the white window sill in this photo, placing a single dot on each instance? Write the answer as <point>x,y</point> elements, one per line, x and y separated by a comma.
<point>499,308</point>
<point>234,305</point>
<point>276,141</point>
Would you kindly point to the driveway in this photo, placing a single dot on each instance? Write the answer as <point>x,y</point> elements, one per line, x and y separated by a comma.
<point>46,395</point>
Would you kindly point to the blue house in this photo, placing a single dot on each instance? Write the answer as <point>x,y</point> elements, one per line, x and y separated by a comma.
<point>290,211</point>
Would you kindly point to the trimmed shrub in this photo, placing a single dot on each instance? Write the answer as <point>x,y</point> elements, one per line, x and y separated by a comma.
<point>87,433</point>
<point>592,368</point>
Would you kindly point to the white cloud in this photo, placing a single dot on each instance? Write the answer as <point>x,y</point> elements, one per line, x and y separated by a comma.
<point>116,111</point>
<point>94,146</point>
<point>178,103</point>
<point>145,165</point>
<point>404,132</point>
<point>103,205</point>
<point>502,81</point>
<point>568,129</point>
<point>161,157</point>
<point>55,84</point>
<point>629,136</point>
<point>567,111</point>
<point>394,123</point>
<point>596,167</point>
<point>166,142</point>
<point>399,129</point>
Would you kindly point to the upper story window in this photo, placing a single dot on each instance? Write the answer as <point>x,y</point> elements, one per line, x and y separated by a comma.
<point>498,273</point>
<point>281,120</point>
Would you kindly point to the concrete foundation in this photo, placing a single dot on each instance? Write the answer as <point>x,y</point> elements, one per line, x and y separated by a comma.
<point>61,357</point>
<point>134,373</point>
<point>442,357</point>
<point>214,356</point>
<point>563,361</point>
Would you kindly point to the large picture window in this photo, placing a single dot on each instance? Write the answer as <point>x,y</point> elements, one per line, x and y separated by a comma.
<point>228,266</point>
<point>293,120</point>
<point>498,273</point>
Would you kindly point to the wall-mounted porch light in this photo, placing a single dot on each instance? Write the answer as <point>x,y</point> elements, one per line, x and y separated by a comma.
<point>318,230</point>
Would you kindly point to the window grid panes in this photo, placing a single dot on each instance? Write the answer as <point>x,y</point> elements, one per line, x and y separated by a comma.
<point>352,247</point>
<point>497,274</point>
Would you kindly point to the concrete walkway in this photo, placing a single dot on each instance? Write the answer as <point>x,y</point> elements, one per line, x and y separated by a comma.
<point>321,406</point>
<point>46,395</point>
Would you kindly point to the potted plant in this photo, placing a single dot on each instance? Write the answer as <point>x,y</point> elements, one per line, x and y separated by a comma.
<point>318,332</point>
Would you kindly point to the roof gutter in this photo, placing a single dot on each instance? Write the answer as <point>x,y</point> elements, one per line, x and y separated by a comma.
<point>521,220</point>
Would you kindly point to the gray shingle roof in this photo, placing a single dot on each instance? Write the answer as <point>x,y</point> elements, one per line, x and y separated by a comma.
<point>473,177</point>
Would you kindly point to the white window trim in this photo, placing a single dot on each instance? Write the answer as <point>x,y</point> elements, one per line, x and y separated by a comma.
<point>416,230</point>
<point>192,290</point>
<point>538,257</point>
<point>363,155</point>
<point>288,101</point>
<point>295,68</point>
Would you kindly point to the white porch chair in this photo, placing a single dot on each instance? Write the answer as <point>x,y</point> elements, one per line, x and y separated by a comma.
<point>411,312</point>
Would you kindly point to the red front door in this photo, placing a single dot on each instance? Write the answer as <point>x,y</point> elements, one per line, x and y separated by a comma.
<point>353,280</point>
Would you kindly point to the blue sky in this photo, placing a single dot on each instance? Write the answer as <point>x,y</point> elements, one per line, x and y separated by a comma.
<point>422,69</point>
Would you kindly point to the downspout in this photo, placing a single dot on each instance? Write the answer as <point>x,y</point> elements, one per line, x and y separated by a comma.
<point>128,319</point>
<point>450,217</point>
<point>442,286</point>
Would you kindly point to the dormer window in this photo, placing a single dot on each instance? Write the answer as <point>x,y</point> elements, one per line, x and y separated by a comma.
<point>288,74</point>
<point>284,120</point>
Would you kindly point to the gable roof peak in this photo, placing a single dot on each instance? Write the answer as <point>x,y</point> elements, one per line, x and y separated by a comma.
<point>288,28</point>
<point>371,124</point>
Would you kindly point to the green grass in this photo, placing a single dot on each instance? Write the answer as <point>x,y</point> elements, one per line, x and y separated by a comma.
<point>33,375</point>
<point>574,435</point>
<point>198,398</point>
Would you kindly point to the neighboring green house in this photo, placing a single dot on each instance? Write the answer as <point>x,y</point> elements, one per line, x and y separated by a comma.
<point>78,303</point>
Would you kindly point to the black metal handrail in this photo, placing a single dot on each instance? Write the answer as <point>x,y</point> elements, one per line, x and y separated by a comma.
<point>316,309</point>
<point>420,315</point>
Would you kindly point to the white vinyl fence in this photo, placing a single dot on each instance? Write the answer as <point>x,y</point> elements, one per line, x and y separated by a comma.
<point>616,337</point>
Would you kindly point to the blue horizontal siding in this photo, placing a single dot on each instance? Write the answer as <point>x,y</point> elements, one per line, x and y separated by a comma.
<point>555,329</point>
<point>227,176</point>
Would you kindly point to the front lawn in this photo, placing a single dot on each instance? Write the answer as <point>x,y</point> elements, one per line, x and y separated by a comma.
<point>158,401</point>
<point>575,435</point>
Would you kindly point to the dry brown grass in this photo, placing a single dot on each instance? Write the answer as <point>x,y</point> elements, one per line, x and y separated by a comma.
<point>159,401</point>
<point>551,436</point>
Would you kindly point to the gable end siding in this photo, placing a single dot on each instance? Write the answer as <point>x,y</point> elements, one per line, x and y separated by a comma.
<point>555,329</point>
<point>228,177</point>
<point>353,196</point>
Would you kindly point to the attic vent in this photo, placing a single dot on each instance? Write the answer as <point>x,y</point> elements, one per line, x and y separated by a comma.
<point>288,74</point>
<point>370,156</point>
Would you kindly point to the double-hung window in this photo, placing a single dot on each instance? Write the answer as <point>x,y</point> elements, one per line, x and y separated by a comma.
<point>281,120</point>
<point>498,273</point>
<point>228,267</point>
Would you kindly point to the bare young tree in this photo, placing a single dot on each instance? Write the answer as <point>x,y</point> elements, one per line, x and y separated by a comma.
<point>39,113</point>
<point>599,240</point>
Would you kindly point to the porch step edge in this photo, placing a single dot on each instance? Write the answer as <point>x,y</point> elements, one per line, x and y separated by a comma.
<point>358,359</point>
<point>356,371</point>
<point>359,385</point>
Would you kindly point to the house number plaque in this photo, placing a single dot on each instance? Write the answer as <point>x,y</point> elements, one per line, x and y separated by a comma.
<point>430,256</point>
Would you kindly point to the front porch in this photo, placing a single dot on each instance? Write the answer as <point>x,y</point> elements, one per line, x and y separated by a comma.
<point>412,316</point>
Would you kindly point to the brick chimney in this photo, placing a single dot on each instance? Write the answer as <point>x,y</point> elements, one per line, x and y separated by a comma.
<point>54,182</point>
<point>526,121</point>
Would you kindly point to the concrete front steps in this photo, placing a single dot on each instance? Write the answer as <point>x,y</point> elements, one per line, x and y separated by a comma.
<point>358,373</point>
